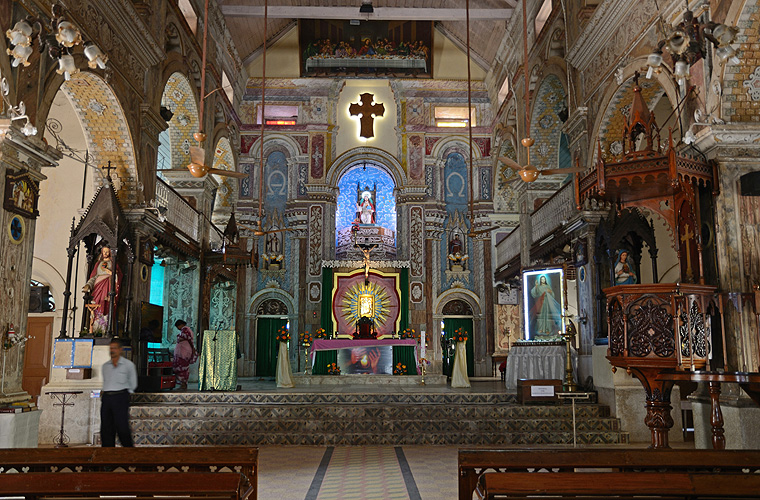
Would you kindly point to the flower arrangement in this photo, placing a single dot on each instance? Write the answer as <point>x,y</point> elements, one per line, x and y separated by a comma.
<point>408,333</point>
<point>320,333</point>
<point>305,338</point>
<point>283,335</point>
<point>12,338</point>
<point>424,361</point>
<point>460,335</point>
<point>400,369</point>
<point>333,369</point>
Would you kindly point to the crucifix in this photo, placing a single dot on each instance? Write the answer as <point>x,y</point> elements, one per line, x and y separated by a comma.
<point>368,112</point>
<point>366,250</point>
<point>108,169</point>
<point>686,239</point>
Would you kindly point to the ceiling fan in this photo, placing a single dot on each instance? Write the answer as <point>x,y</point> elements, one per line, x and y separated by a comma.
<point>197,165</point>
<point>530,173</point>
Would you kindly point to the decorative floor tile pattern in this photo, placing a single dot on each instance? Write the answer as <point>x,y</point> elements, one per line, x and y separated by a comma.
<point>363,473</point>
<point>287,472</point>
<point>432,468</point>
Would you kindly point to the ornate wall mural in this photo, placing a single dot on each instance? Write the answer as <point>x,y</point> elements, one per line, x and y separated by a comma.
<point>455,246</point>
<point>223,160</point>
<point>222,307</point>
<point>545,125</point>
<point>505,199</point>
<point>178,97</point>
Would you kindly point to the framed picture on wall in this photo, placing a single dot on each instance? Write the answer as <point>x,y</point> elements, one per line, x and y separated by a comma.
<point>544,303</point>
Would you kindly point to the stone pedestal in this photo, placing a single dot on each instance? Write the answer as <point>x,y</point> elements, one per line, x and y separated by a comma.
<point>627,400</point>
<point>19,430</point>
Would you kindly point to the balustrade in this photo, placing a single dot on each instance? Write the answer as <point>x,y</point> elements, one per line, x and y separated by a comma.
<point>180,213</point>
<point>554,212</point>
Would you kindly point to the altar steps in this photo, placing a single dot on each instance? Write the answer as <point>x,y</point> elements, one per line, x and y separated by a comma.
<point>363,419</point>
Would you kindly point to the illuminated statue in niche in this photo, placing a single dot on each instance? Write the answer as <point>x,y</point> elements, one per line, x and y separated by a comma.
<point>365,205</point>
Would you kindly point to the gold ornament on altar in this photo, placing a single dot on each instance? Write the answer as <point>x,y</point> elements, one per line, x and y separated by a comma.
<point>366,300</point>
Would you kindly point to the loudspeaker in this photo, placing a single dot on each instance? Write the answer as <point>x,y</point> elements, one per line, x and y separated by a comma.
<point>39,299</point>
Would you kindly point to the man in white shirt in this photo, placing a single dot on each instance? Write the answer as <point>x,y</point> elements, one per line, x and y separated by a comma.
<point>119,381</point>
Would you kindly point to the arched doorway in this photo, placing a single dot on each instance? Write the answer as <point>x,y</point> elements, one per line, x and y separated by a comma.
<point>271,315</point>
<point>457,314</point>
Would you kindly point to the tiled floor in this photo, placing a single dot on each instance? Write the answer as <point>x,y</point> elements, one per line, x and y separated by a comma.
<point>357,473</point>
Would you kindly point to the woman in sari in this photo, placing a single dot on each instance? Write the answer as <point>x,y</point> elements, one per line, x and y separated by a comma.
<point>184,353</point>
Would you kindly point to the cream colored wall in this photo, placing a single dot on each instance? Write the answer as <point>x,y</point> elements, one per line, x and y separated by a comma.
<point>667,259</point>
<point>283,60</point>
<point>450,63</point>
<point>349,126</point>
<point>60,200</point>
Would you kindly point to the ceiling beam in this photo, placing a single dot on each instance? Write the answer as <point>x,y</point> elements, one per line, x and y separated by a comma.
<point>380,13</point>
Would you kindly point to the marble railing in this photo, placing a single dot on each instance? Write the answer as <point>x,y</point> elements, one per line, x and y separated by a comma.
<point>180,213</point>
<point>508,248</point>
<point>555,212</point>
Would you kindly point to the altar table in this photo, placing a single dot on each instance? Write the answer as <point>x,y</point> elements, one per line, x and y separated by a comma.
<point>537,362</point>
<point>325,351</point>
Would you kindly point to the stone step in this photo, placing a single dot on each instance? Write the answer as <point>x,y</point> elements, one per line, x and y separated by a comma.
<point>386,439</point>
<point>295,398</point>
<point>366,411</point>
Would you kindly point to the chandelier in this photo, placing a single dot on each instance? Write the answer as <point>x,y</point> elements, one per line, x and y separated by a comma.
<point>687,43</point>
<point>59,36</point>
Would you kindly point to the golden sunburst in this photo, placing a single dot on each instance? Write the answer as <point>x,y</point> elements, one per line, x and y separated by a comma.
<point>370,300</point>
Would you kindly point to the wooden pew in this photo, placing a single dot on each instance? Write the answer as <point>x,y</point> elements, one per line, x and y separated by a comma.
<point>161,460</point>
<point>571,472</point>
<point>188,485</point>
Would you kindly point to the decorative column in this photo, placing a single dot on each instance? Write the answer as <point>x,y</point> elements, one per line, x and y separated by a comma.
<point>18,155</point>
<point>736,150</point>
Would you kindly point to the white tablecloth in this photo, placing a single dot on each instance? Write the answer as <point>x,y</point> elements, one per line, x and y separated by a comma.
<point>537,362</point>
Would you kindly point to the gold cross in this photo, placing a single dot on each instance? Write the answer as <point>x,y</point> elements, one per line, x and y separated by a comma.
<point>686,239</point>
<point>368,112</point>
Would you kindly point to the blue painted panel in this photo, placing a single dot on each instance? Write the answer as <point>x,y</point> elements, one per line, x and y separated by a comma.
<point>367,175</point>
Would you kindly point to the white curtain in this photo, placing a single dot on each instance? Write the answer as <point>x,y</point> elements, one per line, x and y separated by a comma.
<point>284,375</point>
<point>459,372</point>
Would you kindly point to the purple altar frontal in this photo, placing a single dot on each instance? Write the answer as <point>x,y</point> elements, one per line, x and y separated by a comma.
<point>363,356</point>
<point>334,344</point>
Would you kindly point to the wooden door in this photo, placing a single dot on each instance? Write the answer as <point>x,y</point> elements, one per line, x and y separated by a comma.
<point>37,354</point>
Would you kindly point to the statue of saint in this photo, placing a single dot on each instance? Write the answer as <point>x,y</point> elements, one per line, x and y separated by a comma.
<point>99,285</point>
<point>366,209</point>
<point>456,256</point>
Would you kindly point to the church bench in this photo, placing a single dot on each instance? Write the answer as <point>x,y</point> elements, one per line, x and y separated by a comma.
<point>184,459</point>
<point>493,471</point>
<point>186,485</point>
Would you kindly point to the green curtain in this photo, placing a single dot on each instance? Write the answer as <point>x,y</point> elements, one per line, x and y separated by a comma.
<point>327,296</point>
<point>266,345</point>
<point>322,359</point>
<point>404,354</point>
<point>450,325</point>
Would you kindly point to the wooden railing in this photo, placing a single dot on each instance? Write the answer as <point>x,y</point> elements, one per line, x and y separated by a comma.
<point>180,213</point>
<point>508,248</point>
<point>90,470</point>
<point>553,213</point>
<point>605,473</point>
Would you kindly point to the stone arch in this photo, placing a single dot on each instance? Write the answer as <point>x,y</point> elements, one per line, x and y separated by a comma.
<point>105,128</point>
<point>545,126</point>
<point>250,162</point>
<point>613,102</point>
<point>179,97</point>
<point>383,159</point>
<point>226,192</point>
<point>456,293</point>
<point>457,143</point>
<point>744,15</point>
<point>272,293</point>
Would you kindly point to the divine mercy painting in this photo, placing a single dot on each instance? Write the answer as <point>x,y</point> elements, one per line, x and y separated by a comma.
<point>544,303</point>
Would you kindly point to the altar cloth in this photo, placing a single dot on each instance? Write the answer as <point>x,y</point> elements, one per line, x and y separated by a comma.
<point>537,362</point>
<point>325,351</point>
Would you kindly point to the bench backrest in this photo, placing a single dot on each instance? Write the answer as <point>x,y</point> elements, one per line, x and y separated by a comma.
<point>473,462</point>
<point>191,485</point>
